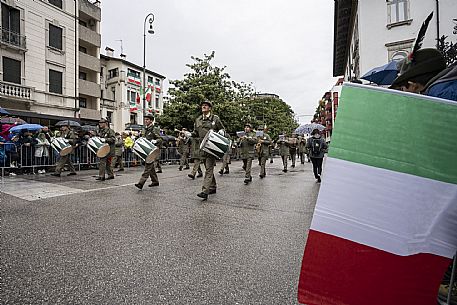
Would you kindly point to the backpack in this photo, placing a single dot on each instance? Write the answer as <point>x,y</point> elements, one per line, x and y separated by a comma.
<point>316,146</point>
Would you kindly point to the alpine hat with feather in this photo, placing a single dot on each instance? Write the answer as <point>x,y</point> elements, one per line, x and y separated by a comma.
<point>421,64</point>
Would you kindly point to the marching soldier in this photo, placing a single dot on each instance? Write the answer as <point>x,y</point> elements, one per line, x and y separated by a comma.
<point>247,151</point>
<point>160,145</point>
<point>108,136</point>
<point>69,135</point>
<point>152,134</point>
<point>204,123</point>
<point>197,156</point>
<point>293,143</point>
<point>283,144</point>
<point>118,151</point>
<point>183,149</point>
<point>264,143</point>
<point>226,161</point>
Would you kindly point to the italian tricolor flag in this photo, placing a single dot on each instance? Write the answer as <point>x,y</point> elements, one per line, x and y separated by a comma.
<point>384,228</point>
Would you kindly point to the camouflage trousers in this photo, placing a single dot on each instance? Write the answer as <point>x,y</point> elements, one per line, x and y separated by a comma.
<point>64,160</point>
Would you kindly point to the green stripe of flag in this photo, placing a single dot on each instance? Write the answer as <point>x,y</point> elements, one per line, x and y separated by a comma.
<point>401,132</point>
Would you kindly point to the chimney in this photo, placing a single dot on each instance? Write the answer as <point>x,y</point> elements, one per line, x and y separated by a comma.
<point>123,56</point>
<point>109,52</point>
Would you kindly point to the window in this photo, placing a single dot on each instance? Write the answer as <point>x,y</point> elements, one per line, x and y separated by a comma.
<point>150,79</point>
<point>157,82</point>
<point>57,3</point>
<point>82,75</point>
<point>397,10</point>
<point>55,37</point>
<point>82,102</point>
<point>113,73</point>
<point>82,49</point>
<point>83,23</point>
<point>398,56</point>
<point>113,92</point>
<point>11,70</point>
<point>55,81</point>
<point>133,73</point>
<point>101,94</point>
<point>131,96</point>
<point>133,119</point>
<point>11,29</point>
<point>109,116</point>
<point>157,102</point>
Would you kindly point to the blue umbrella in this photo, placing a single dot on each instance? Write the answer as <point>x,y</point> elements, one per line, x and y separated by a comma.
<point>3,111</point>
<point>383,75</point>
<point>29,127</point>
<point>308,128</point>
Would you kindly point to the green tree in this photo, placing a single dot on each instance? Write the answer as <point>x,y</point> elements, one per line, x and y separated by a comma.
<point>234,102</point>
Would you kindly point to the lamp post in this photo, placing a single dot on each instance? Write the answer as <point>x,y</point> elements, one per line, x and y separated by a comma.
<point>150,31</point>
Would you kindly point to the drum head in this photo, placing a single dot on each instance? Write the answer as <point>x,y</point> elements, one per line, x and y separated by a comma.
<point>103,151</point>
<point>152,155</point>
<point>67,150</point>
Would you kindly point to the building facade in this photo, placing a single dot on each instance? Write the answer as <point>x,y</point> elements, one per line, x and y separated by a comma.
<point>122,91</point>
<point>371,33</point>
<point>40,59</point>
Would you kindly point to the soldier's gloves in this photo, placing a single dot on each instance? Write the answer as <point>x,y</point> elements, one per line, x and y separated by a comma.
<point>221,132</point>
<point>102,140</point>
<point>154,141</point>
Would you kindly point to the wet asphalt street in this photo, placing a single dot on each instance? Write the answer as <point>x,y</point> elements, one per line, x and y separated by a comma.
<point>73,240</point>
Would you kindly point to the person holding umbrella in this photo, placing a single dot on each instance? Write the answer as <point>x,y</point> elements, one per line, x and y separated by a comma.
<point>69,135</point>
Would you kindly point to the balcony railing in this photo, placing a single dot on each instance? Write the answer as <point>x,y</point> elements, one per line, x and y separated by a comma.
<point>15,91</point>
<point>12,38</point>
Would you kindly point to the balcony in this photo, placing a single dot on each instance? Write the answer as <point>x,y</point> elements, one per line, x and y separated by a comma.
<point>91,114</point>
<point>13,39</point>
<point>16,91</point>
<point>107,103</point>
<point>89,88</point>
<point>89,62</point>
<point>89,36</point>
<point>90,9</point>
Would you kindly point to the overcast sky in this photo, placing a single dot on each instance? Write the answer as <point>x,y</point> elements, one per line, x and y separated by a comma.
<point>282,47</point>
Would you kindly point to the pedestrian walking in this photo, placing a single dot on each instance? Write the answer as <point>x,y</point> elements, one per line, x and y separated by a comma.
<point>183,143</point>
<point>317,148</point>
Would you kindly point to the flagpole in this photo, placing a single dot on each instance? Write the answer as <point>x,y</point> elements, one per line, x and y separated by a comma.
<point>150,31</point>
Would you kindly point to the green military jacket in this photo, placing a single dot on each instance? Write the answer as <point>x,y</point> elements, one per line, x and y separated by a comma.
<point>152,133</point>
<point>247,145</point>
<point>265,142</point>
<point>204,124</point>
<point>119,146</point>
<point>70,136</point>
<point>110,138</point>
<point>183,145</point>
<point>284,147</point>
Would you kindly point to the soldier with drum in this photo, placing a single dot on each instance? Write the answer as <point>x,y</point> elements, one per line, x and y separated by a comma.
<point>65,159</point>
<point>283,144</point>
<point>152,134</point>
<point>203,124</point>
<point>107,136</point>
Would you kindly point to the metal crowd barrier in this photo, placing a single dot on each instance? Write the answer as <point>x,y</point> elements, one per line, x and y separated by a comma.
<point>22,160</point>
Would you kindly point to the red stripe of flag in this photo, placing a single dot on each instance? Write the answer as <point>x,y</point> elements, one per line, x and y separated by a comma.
<point>336,271</point>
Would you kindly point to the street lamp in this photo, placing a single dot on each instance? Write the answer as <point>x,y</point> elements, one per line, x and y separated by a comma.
<point>150,31</point>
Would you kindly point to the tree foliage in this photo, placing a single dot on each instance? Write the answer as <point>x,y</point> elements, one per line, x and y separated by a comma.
<point>235,103</point>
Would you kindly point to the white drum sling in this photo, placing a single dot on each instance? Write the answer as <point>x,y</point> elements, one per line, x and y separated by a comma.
<point>144,149</point>
<point>61,146</point>
<point>215,144</point>
<point>98,147</point>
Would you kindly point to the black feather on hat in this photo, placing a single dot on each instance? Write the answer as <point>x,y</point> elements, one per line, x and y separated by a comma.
<point>420,62</point>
